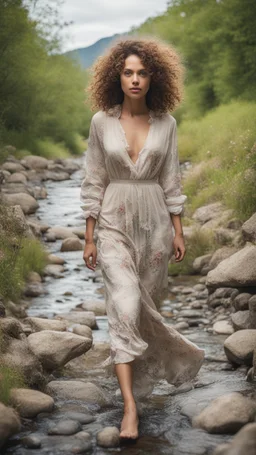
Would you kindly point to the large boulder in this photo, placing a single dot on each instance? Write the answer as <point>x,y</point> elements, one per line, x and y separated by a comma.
<point>16,353</point>
<point>35,162</point>
<point>249,229</point>
<point>17,177</point>
<point>208,212</point>
<point>243,443</point>
<point>9,423</point>
<point>61,232</point>
<point>28,203</point>
<point>220,254</point>
<point>97,306</point>
<point>13,167</point>
<point>54,349</point>
<point>71,244</point>
<point>29,402</point>
<point>15,215</point>
<point>77,390</point>
<point>239,347</point>
<point>238,270</point>
<point>39,324</point>
<point>79,317</point>
<point>226,414</point>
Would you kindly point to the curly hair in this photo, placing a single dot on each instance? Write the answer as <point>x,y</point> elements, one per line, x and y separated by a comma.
<point>160,59</point>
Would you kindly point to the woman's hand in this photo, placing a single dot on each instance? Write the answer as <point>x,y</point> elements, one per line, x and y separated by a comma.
<point>179,247</point>
<point>90,251</point>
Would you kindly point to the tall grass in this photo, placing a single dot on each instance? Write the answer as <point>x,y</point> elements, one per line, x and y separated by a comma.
<point>19,256</point>
<point>224,143</point>
<point>9,378</point>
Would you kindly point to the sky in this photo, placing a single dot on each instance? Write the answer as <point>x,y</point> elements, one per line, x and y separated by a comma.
<point>95,19</point>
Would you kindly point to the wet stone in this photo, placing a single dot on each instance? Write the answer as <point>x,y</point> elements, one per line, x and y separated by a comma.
<point>31,442</point>
<point>65,427</point>
<point>109,437</point>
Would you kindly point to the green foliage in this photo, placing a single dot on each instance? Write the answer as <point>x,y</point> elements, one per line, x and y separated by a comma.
<point>9,378</point>
<point>19,256</point>
<point>198,244</point>
<point>218,42</point>
<point>41,93</point>
<point>222,147</point>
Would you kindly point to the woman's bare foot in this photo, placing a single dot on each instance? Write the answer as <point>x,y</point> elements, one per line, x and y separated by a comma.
<point>130,422</point>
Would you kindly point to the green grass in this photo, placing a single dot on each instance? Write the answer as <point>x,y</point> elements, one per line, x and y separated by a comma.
<point>221,145</point>
<point>19,256</point>
<point>9,378</point>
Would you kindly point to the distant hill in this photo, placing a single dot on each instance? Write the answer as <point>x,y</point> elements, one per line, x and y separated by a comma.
<point>87,55</point>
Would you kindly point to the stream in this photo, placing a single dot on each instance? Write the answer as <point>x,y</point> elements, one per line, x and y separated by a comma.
<point>165,417</point>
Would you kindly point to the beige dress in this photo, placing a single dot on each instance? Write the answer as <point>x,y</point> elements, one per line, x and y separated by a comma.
<point>132,204</point>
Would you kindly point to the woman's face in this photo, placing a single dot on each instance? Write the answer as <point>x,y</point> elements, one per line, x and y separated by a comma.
<point>135,78</point>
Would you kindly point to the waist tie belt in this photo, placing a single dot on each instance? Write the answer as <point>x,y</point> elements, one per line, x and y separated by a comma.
<point>134,181</point>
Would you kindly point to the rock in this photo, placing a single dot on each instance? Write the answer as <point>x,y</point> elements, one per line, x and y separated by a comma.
<point>9,423</point>
<point>65,427</point>
<point>240,302</point>
<point>243,443</point>
<point>54,270</point>
<point>199,287</point>
<point>79,317</point>
<point>237,270</point>
<point>71,244</point>
<point>29,402</point>
<point>50,237</point>
<point>190,314</point>
<point>181,326</point>
<point>84,419</point>
<point>53,259</point>
<point>83,435</point>
<point>16,352</point>
<point>16,310</point>
<point>226,414</point>
<point>54,349</point>
<point>37,229</point>
<point>77,390</point>
<point>35,162</point>
<point>61,232</point>
<point>79,329</point>
<point>249,229</point>
<point>200,262</point>
<point>56,176</point>
<point>33,289</point>
<point>31,442</point>
<point>34,277</point>
<point>223,327</point>
<point>252,311</point>
<point>14,214</point>
<point>38,324</point>
<point>17,177</point>
<point>28,203</point>
<point>207,212</point>
<point>220,254</point>
<point>97,306</point>
<point>240,320</point>
<point>13,167</point>
<point>224,236</point>
<point>239,347</point>
<point>108,437</point>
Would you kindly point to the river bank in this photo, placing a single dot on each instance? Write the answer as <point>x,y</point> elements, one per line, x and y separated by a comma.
<point>78,389</point>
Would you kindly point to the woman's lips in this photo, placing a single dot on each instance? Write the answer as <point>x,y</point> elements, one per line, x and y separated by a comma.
<point>135,89</point>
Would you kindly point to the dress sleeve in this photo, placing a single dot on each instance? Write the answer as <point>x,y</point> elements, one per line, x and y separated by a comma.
<point>96,177</point>
<point>170,176</point>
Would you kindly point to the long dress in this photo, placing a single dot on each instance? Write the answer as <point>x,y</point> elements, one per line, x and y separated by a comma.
<point>132,203</point>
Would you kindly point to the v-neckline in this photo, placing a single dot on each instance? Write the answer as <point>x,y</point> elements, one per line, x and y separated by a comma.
<point>127,146</point>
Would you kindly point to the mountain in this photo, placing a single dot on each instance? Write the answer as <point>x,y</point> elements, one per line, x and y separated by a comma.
<point>87,55</point>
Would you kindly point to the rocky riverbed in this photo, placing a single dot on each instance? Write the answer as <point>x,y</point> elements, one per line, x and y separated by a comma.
<point>61,337</point>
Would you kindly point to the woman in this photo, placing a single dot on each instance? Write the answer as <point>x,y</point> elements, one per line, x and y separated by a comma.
<point>132,188</point>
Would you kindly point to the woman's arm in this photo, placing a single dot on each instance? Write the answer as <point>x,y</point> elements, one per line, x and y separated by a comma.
<point>92,189</point>
<point>170,180</point>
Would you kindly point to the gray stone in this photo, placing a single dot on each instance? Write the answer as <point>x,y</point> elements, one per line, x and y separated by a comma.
<point>200,262</point>
<point>38,324</point>
<point>35,162</point>
<point>31,441</point>
<point>207,212</point>
<point>17,177</point>
<point>97,306</point>
<point>30,402</point>
<point>240,302</point>
<point>13,167</point>
<point>84,419</point>
<point>65,427</point>
<point>28,203</point>
<point>226,414</point>
<point>71,244</point>
<point>54,349</point>
<point>239,347</point>
<point>87,392</point>
<point>220,254</point>
<point>79,317</point>
<point>240,320</point>
<point>237,270</point>
<point>223,327</point>
<point>243,443</point>
<point>252,311</point>
<point>108,437</point>
<point>249,229</point>
<point>54,270</point>
<point>9,423</point>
